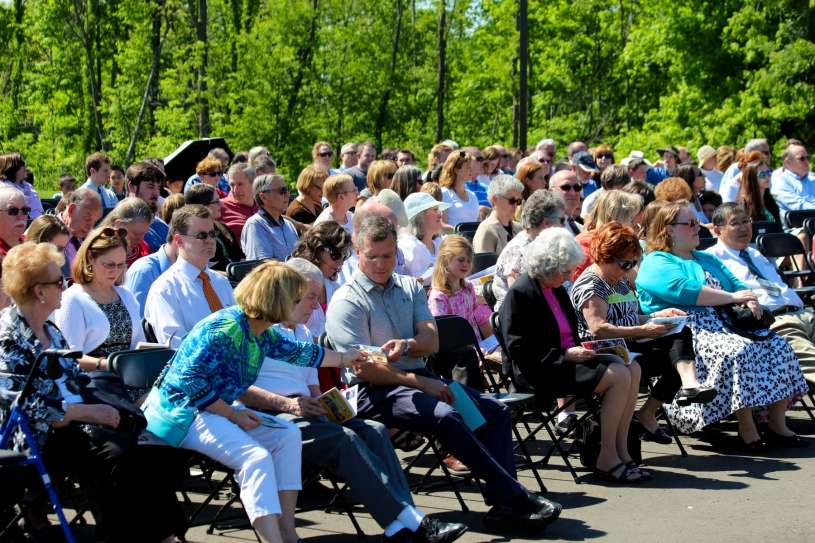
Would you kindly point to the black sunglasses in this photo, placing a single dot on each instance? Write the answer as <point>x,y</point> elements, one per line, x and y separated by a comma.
<point>513,201</point>
<point>282,190</point>
<point>627,265</point>
<point>214,174</point>
<point>567,188</point>
<point>334,253</point>
<point>326,154</point>
<point>605,155</point>
<point>212,234</point>
<point>14,211</point>
<point>110,232</point>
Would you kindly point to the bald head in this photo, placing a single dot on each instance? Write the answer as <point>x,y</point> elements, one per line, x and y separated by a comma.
<point>371,208</point>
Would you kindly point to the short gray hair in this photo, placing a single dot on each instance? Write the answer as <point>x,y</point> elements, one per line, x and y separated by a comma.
<point>256,151</point>
<point>374,228</point>
<point>241,167</point>
<point>554,250</point>
<point>7,192</point>
<point>503,184</point>
<point>755,144</point>
<point>263,182</point>
<point>131,209</point>
<point>541,205</point>
<point>306,269</point>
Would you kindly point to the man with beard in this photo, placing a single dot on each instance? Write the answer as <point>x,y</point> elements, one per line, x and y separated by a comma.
<point>144,181</point>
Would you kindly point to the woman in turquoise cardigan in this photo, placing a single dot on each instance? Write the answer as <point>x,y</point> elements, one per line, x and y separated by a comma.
<point>747,373</point>
<point>191,403</point>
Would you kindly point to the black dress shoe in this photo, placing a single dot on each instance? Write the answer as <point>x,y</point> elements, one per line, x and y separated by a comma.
<point>528,512</point>
<point>788,442</point>
<point>432,530</point>
<point>548,508</point>
<point>700,394</point>
<point>657,436</point>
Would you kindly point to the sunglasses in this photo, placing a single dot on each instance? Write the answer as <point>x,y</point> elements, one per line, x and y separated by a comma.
<point>567,188</point>
<point>627,265</point>
<point>212,234</point>
<point>325,154</point>
<point>764,174</point>
<point>802,158</point>
<point>334,253</point>
<point>605,155</point>
<point>513,201</point>
<point>110,232</point>
<point>214,174</point>
<point>14,211</point>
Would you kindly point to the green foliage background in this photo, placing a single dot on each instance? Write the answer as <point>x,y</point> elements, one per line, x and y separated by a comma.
<point>285,73</point>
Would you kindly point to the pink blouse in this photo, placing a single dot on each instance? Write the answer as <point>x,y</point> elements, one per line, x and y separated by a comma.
<point>566,338</point>
<point>463,303</point>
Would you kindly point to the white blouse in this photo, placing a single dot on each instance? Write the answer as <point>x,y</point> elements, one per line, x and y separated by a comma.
<point>460,210</point>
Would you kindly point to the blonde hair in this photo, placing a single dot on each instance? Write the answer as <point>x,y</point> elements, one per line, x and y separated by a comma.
<point>614,205</point>
<point>450,248</point>
<point>376,175</point>
<point>99,241</point>
<point>334,185</point>
<point>270,291</point>
<point>455,161</point>
<point>316,147</point>
<point>433,189</point>
<point>309,176</point>
<point>435,153</point>
<point>25,266</point>
<point>658,238</point>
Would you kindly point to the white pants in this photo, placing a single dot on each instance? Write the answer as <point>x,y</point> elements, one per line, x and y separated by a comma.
<point>265,460</point>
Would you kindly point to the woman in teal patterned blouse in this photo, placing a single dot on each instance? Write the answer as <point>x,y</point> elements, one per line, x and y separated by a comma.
<point>190,406</point>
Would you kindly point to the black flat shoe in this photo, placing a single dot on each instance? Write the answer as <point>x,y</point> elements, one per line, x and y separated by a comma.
<point>787,442</point>
<point>700,394</point>
<point>657,436</point>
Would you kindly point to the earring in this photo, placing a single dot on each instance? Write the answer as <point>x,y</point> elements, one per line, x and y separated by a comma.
<point>42,300</point>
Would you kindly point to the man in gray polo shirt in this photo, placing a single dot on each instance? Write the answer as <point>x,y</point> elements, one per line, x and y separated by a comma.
<point>378,307</point>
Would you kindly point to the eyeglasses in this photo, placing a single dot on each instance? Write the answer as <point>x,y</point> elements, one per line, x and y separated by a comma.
<point>567,188</point>
<point>606,155</point>
<point>693,223</point>
<point>110,266</point>
<point>513,201</point>
<point>282,190</point>
<point>110,232</point>
<point>14,211</point>
<point>326,154</point>
<point>334,253</point>
<point>743,222</point>
<point>803,158</point>
<point>545,161</point>
<point>213,174</point>
<point>212,234</point>
<point>764,174</point>
<point>58,283</point>
<point>626,264</point>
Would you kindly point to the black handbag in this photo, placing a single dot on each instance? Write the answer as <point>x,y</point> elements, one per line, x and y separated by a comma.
<point>107,388</point>
<point>740,320</point>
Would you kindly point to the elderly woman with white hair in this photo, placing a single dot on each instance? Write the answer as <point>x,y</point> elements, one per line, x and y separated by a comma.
<point>420,240</point>
<point>505,194</point>
<point>14,213</point>
<point>554,364</point>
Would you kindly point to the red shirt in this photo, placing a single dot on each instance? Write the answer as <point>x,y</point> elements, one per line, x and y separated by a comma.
<point>5,247</point>
<point>235,214</point>
<point>142,250</point>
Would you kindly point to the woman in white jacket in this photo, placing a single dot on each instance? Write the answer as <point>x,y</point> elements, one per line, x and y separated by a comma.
<point>97,316</point>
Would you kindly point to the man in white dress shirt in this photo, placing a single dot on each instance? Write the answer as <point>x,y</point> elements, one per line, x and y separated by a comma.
<point>188,291</point>
<point>793,321</point>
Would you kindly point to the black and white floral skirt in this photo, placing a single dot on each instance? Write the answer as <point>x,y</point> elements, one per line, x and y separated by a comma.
<point>746,373</point>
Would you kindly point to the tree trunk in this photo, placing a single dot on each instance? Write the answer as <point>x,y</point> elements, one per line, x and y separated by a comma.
<point>83,24</point>
<point>382,116</point>
<point>16,78</point>
<point>236,30</point>
<point>203,100</point>
<point>304,55</point>
<point>442,37</point>
<point>148,98</point>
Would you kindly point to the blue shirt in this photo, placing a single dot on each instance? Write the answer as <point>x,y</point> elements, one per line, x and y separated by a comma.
<point>589,187</point>
<point>793,193</point>
<point>656,175</point>
<point>264,237</point>
<point>666,280</point>
<point>194,179</point>
<point>480,192</point>
<point>157,235</point>
<point>143,272</point>
<point>109,199</point>
<point>220,358</point>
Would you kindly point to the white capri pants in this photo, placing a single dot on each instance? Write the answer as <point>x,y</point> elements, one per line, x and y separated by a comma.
<point>266,460</point>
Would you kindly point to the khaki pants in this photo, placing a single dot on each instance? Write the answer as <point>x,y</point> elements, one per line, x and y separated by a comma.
<point>798,329</point>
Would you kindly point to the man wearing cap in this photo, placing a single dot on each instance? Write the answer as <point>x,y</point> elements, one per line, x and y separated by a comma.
<point>729,187</point>
<point>670,156</point>
<point>706,158</point>
<point>584,166</point>
<point>348,156</point>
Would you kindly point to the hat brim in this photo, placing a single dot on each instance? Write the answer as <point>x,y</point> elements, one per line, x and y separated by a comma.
<point>588,168</point>
<point>443,206</point>
<point>663,151</point>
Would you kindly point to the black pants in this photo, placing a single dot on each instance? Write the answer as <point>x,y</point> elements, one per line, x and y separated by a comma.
<point>130,486</point>
<point>658,358</point>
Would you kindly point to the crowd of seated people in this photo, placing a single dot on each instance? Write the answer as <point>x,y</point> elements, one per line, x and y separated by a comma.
<point>366,254</point>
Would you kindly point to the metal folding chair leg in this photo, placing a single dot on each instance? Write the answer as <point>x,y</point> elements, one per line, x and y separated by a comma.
<point>439,462</point>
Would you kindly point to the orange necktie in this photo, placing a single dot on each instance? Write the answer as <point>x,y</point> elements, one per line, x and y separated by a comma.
<point>209,293</point>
